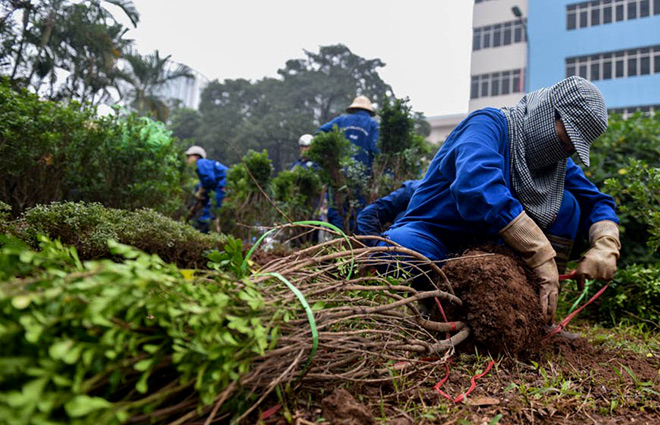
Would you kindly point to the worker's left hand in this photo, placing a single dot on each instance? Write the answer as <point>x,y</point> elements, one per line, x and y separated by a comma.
<point>600,261</point>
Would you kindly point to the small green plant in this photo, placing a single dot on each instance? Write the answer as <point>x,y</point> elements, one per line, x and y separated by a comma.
<point>246,207</point>
<point>402,149</point>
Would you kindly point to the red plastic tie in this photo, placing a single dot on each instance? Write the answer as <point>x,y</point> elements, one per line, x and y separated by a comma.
<point>571,316</point>
<point>568,276</point>
<point>442,311</point>
<point>270,412</point>
<point>473,385</point>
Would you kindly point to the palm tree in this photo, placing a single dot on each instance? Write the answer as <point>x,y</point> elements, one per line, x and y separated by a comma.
<point>146,76</point>
<point>80,37</point>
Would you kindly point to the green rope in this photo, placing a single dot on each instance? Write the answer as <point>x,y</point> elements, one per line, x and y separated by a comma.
<point>581,297</point>
<point>310,319</point>
<point>309,222</point>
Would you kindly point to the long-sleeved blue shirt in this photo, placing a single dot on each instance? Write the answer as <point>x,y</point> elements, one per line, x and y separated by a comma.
<point>374,217</point>
<point>213,178</point>
<point>466,193</point>
<point>304,163</point>
<point>362,130</point>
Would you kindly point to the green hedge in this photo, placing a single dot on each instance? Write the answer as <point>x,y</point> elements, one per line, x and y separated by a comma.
<point>53,151</point>
<point>88,227</point>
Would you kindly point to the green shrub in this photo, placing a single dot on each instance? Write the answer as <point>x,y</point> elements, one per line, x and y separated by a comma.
<point>297,192</point>
<point>637,191</point>
<point>402,149</point>
<point>332,151</point>
<point>54,151</point>
<point>245,205</point>
<point>89,226</point>
<point>104,342</point>
<point>633,296</point>
<point>636,138</point>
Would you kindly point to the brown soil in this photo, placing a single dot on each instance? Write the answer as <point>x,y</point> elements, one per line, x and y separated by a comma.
<point>593,377</point>
<point>341,408</point>
<point>501,305</point>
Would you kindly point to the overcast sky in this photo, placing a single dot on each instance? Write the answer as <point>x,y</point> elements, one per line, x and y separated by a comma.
<point>425,44</point>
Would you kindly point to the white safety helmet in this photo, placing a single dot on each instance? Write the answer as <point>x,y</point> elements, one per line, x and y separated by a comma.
<point>196,150</point>
<point>305,140</point>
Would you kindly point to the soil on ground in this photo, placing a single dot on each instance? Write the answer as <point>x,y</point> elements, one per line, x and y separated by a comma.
<point>588,380</point>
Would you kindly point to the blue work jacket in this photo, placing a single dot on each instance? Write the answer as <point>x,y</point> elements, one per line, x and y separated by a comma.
<point>304,163</point>
<point>466,195</point>
<point>213,178</point>
<point>373,219</point>
<point>362,130</point>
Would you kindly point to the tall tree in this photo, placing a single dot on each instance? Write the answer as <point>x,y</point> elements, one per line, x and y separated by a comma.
<point>145,76</point>
<point>238,115</point>
<point>329,80</point>
<point>45,39</point>
<point>184,123</point>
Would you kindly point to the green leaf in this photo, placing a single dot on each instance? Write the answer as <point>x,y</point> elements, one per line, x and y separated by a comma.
<point>58,350</point>
<point>144,364</point>
<point>21,302</point>
<point>83,405</point>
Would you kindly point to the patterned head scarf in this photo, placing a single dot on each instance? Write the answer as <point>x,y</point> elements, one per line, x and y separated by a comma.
<point>538,161</point>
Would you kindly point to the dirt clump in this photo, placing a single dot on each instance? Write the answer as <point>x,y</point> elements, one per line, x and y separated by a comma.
<point>500,304</point>
<point>340,408</point>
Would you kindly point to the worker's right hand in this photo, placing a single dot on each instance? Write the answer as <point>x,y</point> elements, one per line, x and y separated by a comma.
<point>548,277</point>
<point>527,239</point>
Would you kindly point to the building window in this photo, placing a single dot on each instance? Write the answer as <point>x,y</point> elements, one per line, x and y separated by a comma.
<point>599,12</point>
<point>619,64</point>
<point>630,110</point>
<point>476,39</point>
<point>497,83</point>
<point>498,35</point>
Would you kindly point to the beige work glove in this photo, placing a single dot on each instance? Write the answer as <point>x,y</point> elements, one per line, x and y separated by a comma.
<point>526,238</point>
<point>600,261</point>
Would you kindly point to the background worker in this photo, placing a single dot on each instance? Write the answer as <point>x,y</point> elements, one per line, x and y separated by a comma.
<point>374,218</point>
<point>507,174</point>
<point>361,129</point>
<point>212,178</point>
<point>304,142</point>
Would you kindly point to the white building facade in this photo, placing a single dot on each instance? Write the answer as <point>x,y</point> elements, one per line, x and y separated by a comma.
<point>499,53</point>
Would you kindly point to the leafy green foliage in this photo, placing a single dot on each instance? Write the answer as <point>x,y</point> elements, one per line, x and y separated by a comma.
<point>402,149</point>
<point>101,342</point>
<point>52,152</point>
<point>245,203</point>
<point>633,296</point>
<point>332,152</point>
<point>615,158</point>
<point>42,38</point>
<point>297,192</point>
<point>638,194</point>
<point>88,227</point>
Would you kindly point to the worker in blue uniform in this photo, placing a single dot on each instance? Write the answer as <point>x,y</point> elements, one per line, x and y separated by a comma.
<point>375,217</point>
<point>507,174</point>
<point>304,143</point>
<point>212,178</point>
<point>361,129</point>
